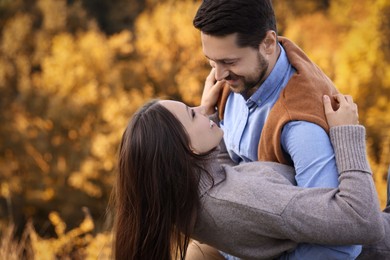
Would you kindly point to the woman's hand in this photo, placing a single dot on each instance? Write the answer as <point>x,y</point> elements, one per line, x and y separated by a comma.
<point>346,114</point>
<point>211,93</point>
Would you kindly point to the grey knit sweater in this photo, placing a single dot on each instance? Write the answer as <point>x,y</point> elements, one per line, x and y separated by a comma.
<point>254,211</point>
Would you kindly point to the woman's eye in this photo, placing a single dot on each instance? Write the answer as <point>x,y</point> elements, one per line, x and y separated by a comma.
<point>193,113</point>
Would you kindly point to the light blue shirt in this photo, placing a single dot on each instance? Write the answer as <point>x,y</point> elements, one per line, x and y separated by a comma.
<point>306,144</point>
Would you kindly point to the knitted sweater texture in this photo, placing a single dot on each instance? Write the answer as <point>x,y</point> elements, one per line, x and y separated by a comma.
<point>254,211</point>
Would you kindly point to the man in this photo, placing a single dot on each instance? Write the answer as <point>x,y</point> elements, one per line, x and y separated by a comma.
<point>273,111</point>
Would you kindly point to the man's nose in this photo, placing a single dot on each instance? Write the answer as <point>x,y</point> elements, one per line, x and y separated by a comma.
<point>221,72</point>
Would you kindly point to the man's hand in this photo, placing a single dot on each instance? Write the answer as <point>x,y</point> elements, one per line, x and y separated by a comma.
<point>211,92</point>
<point>346,114</point>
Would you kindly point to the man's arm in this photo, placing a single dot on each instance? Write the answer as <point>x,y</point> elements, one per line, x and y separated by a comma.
<point>310,149</point>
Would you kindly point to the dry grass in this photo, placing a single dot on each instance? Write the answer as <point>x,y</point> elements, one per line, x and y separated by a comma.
<point>78,243</point>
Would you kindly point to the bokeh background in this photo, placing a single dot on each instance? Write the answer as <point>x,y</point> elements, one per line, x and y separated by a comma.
<point>72,72</point>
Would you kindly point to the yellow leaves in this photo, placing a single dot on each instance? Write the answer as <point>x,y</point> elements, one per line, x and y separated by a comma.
<point>38,158</point>
<point>14,50</point>
<point>113,108</point>
<point>100,247</point>
<point>44,195</point>
<point>40,247</point>
<point>121,42</point>
<point>5,190</point>
<point>9,185</point>
<point>65,69</point>
<point>9,248</point>
<point>101,146</point>
<point>79,65</point>
<point>94,47</point>
<point>317,36</point>
<point>379,115</point>
<point>15,34</point>
<point>346,49</point>
<point>58,223</point>
<point>87,225</point>
<point>75,244</point>
<point>82,179</point>
<point>170,48</point>
<point>380,169</point>
<point>6,71</point>
<point>66,243</point>
<point>361,53</point>
<point>188,84</point>
<point>54,14</point>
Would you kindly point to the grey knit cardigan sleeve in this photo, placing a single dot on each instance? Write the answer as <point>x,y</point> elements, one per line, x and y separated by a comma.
<point>255,212</point>
<point>349,214</point>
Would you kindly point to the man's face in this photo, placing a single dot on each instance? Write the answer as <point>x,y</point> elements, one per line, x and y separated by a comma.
<point>242,68</point>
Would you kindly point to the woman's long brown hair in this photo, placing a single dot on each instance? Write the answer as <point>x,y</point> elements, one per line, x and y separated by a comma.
<point>156,193</point>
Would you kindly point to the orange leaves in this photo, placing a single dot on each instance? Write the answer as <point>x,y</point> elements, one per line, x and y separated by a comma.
<point>54,14</point>
<point>74,241</point>
<point>171,50</point>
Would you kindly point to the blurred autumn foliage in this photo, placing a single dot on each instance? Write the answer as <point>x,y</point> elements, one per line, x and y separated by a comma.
<point>73,72</point>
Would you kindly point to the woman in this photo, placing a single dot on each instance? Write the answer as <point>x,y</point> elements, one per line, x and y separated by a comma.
<point>171,187</point>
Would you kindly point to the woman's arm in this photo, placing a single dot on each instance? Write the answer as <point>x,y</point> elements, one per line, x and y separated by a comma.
<point>257,213</point>
<point>350,214</point>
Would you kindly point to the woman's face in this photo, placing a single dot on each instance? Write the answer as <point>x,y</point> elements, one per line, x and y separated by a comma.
<point>203,133</point>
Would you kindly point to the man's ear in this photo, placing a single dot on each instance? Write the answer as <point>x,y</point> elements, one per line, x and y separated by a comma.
<point>268,45</point>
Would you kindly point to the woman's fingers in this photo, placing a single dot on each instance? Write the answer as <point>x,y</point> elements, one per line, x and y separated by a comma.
<point>211,92</point>
<point>349,99</point>
<point>346,113</point>
<point>327,105</point>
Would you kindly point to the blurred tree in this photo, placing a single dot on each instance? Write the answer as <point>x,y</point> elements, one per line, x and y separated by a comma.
<point>113,16</point>
<point>288,11</point>
<point>64,107</point>
<point>170,50</point>
<point>73,71</point>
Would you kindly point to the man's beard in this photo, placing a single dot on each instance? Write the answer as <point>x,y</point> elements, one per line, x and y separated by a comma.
<point>252,82</point>
<point>262,67</point>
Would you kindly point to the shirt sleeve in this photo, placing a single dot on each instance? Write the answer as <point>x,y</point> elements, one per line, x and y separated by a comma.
<point>311,151</point>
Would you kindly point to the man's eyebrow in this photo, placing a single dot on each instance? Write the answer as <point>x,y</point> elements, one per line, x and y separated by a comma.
<point>221,60</point>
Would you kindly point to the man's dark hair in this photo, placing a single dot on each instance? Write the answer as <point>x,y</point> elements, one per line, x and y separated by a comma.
<point>251,19</point>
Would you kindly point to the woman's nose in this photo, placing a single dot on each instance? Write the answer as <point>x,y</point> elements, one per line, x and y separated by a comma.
<point>201,110</point>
